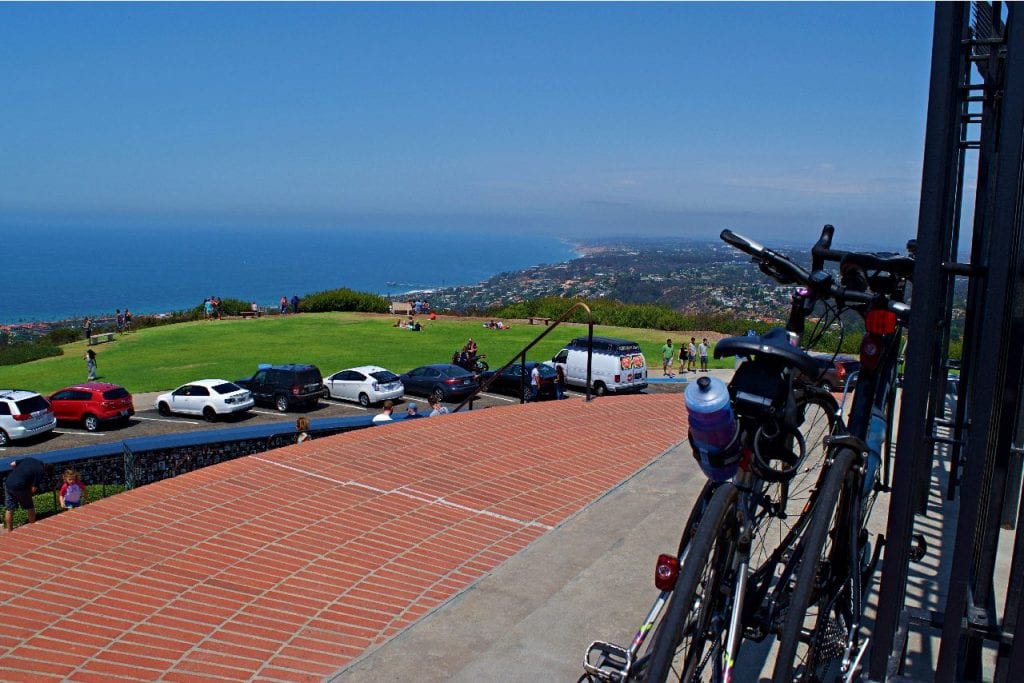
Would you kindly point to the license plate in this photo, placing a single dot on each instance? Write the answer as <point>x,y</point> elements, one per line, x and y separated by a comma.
<point>124,413</point>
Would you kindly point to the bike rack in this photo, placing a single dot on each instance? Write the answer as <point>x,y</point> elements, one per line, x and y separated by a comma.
<point>975,122</point>
<point>520,356</point>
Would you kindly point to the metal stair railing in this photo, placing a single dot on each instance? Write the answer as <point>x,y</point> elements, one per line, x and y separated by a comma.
<point>520,356</point>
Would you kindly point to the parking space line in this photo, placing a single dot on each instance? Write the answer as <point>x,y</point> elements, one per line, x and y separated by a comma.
<point>80,433</point>
<point>266,412</point>
<point>160,419</point>
<point>343,404</point>
<point>500,398</point>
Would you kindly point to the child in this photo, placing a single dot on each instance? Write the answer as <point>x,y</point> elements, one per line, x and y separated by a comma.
<point>72,491</point>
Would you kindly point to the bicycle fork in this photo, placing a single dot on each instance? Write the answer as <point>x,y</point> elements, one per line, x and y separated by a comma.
<point>742,572</point>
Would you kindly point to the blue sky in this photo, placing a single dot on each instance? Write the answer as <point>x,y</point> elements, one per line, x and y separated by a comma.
<point>574,119</point>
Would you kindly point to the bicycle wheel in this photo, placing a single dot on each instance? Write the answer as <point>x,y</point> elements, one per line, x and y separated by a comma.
<point>689,641</point>
<point>817,616</point>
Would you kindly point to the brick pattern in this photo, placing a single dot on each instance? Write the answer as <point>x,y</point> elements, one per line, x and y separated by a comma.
<point>289,564</point>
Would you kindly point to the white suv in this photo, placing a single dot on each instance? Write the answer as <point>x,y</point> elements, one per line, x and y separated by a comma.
<point>23,414</point>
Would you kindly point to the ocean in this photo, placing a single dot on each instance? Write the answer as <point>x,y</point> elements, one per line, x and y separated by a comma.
<point>62,273</point>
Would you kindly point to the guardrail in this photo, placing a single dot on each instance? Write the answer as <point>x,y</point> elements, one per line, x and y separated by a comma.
<point>147,459</point>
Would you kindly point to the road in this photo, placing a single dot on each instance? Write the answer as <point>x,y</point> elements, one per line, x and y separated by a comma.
<point>148,422</point>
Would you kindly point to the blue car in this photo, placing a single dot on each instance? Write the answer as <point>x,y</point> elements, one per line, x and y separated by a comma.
<point>447,382</point>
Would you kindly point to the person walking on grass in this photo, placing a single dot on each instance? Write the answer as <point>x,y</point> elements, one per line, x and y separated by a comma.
<point>703,350</point>
<point>667,352</point>
<point>22,482</point>
<point>691,355</point>
<point>90,363</point>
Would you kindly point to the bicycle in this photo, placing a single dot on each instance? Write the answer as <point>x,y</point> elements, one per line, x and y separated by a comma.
<point>733,565</point>
<point>820,638</point>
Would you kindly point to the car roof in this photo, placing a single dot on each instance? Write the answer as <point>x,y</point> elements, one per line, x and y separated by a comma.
<point>208,382</point>
<point>365,369</point>
<point>93,386</point>
<point>16,394</point>
<point>444,367</point>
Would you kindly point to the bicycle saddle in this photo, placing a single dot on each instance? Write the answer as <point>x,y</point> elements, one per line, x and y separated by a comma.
<point>774,343</point>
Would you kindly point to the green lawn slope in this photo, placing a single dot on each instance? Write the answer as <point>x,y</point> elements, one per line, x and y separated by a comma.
<point>159,358</point>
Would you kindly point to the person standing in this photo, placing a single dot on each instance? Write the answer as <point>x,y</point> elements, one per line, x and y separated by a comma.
<point>120,321</point>
<point>559,381</point>
<point>284,304</point>
<point>127,320</point>
<point>691,355</point>
<point>302,429</point>
<point>535,383</point>
<point>295,303</point>
<point>667,353</point>
<point>683,355</point>
<point>23,481</point>
<point>703,350</point>
<point>88,328</point>
<point>73,492</point>
<point>90,363</point>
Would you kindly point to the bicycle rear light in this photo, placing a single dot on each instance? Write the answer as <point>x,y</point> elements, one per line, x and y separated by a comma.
<point>870,351</point>
<point>881,321</point>
<point>666,572</point>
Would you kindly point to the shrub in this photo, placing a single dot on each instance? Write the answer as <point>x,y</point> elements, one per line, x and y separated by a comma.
<point>23,353</point>
<point>343,299</point>
<point>61,335</point>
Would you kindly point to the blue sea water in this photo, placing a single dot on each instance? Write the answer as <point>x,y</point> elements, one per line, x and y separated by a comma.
<point>61,273</point>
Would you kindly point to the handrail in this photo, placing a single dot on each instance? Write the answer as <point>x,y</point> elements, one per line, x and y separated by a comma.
<point>521,354</point>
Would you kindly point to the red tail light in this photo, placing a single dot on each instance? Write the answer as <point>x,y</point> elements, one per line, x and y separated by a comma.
<point>666,572</point>
<point>880,321</point>
<point>452,380</point>
<point>296,389</point>
<point>23,417</point>
<point>870,351</point>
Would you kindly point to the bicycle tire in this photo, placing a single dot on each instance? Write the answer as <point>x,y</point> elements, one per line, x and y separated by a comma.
<point>821,584</point>
<point>684,632</point>
<point>791,500</point>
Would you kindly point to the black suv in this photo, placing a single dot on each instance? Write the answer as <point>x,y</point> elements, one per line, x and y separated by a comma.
<point>285,386</point>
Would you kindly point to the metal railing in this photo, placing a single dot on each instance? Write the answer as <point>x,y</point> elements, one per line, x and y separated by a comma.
<point>520,356</point>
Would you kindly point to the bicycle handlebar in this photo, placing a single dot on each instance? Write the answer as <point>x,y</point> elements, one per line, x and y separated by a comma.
<point>819,282</point>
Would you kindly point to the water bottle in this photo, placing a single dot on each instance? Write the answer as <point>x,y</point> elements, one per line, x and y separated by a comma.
<point>713,431</point>
<point>876,435</point>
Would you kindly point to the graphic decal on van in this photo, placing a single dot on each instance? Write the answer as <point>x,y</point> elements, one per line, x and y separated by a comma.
<point>634,361</point>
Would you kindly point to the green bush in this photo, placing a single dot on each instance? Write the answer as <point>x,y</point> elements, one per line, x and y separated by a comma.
<point>24,353</point>
<point>61,335</point>
<point>343,299</point>
<point>47,503</point>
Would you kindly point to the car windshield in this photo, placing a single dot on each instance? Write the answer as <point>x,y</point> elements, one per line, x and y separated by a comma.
<point>32,404</point>
<point>226,388</point>
<point>456,371</point>
<point>119,392</point>
<point>384,376</point>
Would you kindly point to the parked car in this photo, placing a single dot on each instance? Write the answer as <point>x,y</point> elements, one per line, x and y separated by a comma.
<point>952,394</point>
<point>511,380</point>
<point>24,414</point>
<point>92,404</point>
<point>833,374</point>
<point>286,386</point>
<point>211,398</point>
<point>367,384</point>
<point>445,381</point>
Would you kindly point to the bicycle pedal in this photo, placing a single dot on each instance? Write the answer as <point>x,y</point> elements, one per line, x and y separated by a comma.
<point>607,662</point>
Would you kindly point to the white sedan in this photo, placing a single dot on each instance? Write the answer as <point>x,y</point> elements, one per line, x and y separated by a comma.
<point>367,384</point>
<point>211,398</point>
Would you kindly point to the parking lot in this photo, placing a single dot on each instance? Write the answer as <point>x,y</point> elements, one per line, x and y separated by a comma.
<point>148,422</point>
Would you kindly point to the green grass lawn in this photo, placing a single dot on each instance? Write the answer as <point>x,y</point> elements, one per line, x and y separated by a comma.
<point>159,358</point>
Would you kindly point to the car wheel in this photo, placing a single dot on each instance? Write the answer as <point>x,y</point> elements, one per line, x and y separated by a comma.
<point>600,389</point>
<point>527,394</point>
<point>4,439</point>
<point>163,409</point>
<point>91,423</point>
<point>364,400</point>
<point>438,393</point>
<point>281,403</point>
<point>209,414</point>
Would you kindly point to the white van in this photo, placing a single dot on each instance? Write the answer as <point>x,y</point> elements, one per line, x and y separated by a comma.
<point>617,365</point>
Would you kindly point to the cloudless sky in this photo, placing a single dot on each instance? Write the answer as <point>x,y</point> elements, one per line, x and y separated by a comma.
<point>573,119</point>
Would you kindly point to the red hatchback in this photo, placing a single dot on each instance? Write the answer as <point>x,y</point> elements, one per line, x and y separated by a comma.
<point>92,403</point>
